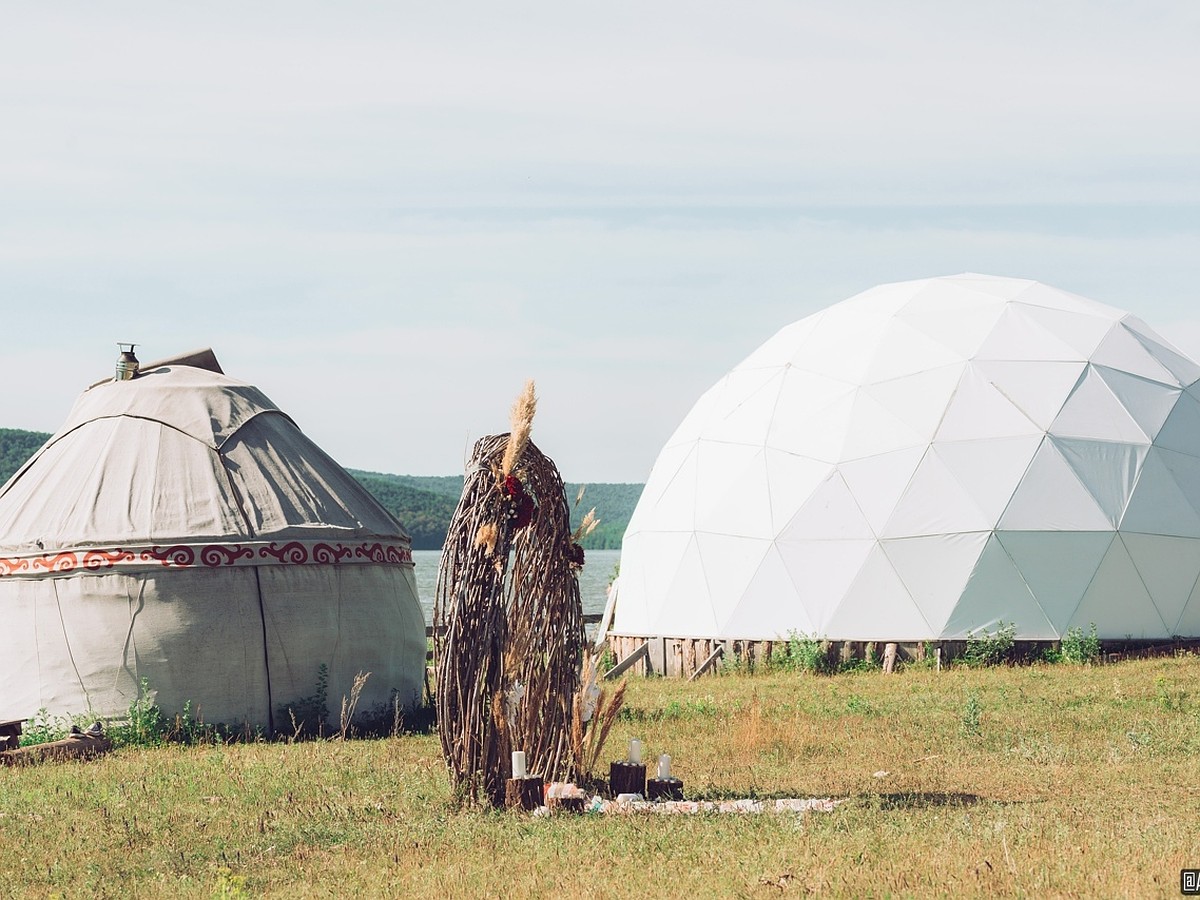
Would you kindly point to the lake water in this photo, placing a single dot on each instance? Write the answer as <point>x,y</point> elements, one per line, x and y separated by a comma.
<point>597,572</point>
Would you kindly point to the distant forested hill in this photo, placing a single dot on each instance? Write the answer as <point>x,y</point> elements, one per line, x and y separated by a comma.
<point>16,446</point>
<point>424,503</point>
<point>431,499</point>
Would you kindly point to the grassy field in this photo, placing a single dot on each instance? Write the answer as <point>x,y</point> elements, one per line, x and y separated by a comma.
<point>1032,781</point>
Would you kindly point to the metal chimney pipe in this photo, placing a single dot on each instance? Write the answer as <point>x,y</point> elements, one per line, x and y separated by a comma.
<point>127,363</point>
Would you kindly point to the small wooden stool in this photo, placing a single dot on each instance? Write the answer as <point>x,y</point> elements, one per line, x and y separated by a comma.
<point>10,734</point>
<point>664,789</point>
<point>523,793</point>
<point>626,778</point>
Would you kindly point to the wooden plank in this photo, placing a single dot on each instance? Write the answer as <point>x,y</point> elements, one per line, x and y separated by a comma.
<point>642,652</point>
<point>73,747</point>
<point>712,658</point>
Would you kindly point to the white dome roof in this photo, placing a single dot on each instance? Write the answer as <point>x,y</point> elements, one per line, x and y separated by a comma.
<point>926,459</point>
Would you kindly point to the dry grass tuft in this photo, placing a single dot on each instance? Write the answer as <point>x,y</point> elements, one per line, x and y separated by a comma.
<point>350,704</point>
<point>486,537</point>
<point>586,526</point>
<point>593,712</point>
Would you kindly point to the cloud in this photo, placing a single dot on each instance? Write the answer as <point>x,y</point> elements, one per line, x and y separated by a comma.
<point>390,215</point>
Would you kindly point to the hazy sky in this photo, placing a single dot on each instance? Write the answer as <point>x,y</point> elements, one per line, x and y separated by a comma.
<point>388,215</point>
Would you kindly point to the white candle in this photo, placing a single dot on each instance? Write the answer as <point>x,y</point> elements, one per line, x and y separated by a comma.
<point>664,766</point>
<point>518,764</point>
<point>635,752</point>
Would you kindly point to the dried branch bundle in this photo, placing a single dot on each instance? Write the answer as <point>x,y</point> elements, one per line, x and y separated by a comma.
<point>508,622</point>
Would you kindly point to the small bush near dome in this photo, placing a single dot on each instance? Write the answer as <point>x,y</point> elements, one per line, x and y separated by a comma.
<point>801,653</point>
<point>1080,648</point>
<point>990,648</point>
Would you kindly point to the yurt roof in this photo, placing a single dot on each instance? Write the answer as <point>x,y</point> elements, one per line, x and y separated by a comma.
<point>182,453</point>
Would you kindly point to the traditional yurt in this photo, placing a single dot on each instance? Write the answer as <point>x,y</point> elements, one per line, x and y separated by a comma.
<point>180,531</point>
<point>925,460</point>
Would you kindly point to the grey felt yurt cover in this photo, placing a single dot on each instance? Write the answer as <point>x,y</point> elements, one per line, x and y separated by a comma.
<point>179,528</point>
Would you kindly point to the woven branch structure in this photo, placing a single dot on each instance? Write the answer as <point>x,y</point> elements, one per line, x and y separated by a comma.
<point>508,622</point>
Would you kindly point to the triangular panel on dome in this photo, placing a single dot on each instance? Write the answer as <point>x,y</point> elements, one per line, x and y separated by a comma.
<point>831,513</point>
<point>730,564</point>
<point>792,480</point>
<point>905,350</point>
<point>1043,295</point>
<point>1189,621</point>
<point>1057,567</point>
<point>1122,350</point>
<point>843,345</point>
<point>1181,430</point>
<point>934,503</point>
<point>935,570</point>
<point>989,470</point>
<point>877,482</point>
<point>743,414</point>
<point>1037,388</point>
<point>811,416</point>
<point>1117,601</point>
<point>997,286</point>
<point>1094,411</point>
<point>770,608</point>
<point>1083,331</point>
<point>873,429</point>
<point>656,557</point>
<point>1051,498</point>
<point>1169,568</point>
<point>822,572</point>
<point>717,460</point>
<point>959,320</point>
<point>685,608</point>
<point>736,501</point>
<point>877,606</point>
<point>783,345</point>
<point>1017,335</point>
<point>1185,370</point>
<point>883,299</point>
<point>1148,402</point>
<point>1159,504</point>
<point>668,500</point>
<point>919,400</point>
<point>978,410</point>
<point>997,593</point>
<point>1185,469</point>
<point>1108,470</point>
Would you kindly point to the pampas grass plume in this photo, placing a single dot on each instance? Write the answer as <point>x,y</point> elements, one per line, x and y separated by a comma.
<point>522,426</point>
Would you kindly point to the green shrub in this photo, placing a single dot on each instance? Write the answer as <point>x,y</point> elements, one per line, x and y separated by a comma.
<point>801,653</point>
<point>990,649</point>
<point>1080,648</point>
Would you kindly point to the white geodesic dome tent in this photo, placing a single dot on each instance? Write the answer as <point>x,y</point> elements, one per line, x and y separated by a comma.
<point>179,528</point>
<point>927,459</point>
